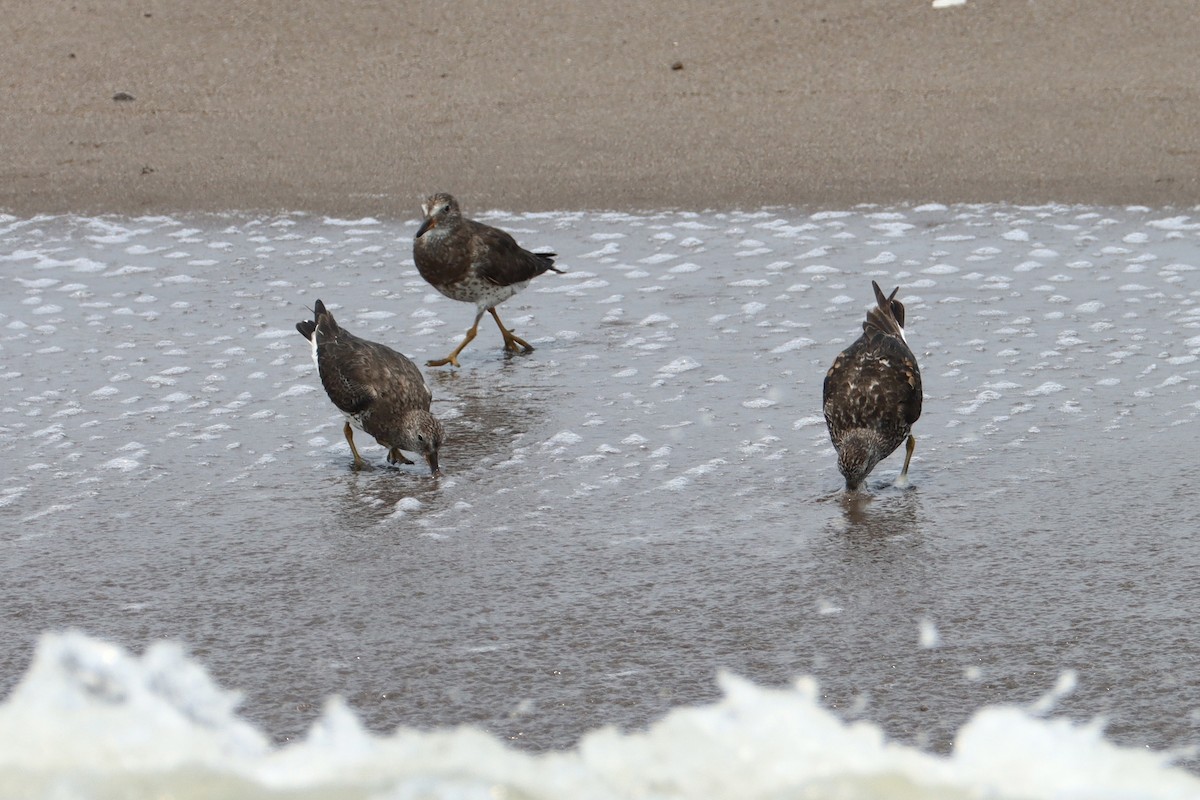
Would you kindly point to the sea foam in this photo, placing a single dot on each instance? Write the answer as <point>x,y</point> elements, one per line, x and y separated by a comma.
<point>89,719</point>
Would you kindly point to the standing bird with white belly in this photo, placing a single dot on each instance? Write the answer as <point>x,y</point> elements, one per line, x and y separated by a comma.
<point>475,263</point>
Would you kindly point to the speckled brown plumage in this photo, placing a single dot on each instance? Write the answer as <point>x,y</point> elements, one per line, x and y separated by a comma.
<point>475,263</point>
<point>873,394</point>
<point>380,391</point>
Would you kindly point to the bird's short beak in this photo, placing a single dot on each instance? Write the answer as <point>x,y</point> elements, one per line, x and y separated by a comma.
<point>426,225</point>
<point>434,469</point>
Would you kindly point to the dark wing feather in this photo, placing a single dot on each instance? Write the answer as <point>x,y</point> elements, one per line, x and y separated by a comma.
<point>363,377</point>
<point>308,327</point>
<point>907,377</point>
<point>339,358</point>
<point>888,315</point>
<point>897,309</point>
<point>874,383</point>
<point>500,260</point>
<point>397,382</point>
<point>358,374</point>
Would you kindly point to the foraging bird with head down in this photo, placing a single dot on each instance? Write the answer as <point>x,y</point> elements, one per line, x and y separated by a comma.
<point>873,395</point>
<point>380,391</point>
<point>475,263</point>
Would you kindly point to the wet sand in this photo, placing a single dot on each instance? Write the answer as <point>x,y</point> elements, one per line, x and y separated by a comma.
<point>357,109</point>
<point>647,499</point>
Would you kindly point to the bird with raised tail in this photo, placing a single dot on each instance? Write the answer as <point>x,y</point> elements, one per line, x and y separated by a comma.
<point>873,394</point>
<point>475,263</point>
<point>380,391</point>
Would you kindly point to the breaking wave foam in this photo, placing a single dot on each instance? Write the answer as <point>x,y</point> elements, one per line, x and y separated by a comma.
<point>91,720</point>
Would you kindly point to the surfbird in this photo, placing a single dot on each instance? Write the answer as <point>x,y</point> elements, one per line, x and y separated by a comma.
<point>873,395</point>
<point>475,263</point>
<point>381,392</point>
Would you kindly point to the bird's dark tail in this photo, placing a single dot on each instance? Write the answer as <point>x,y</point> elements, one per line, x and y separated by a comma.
<point>321,318</point>
<point>888,314</point>
<point>548,260</point>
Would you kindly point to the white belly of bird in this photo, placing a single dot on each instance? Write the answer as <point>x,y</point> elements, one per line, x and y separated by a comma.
<point>355,421</point>
<point>482,293</point>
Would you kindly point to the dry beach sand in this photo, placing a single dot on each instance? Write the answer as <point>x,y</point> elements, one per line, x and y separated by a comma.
<point>361,108</point>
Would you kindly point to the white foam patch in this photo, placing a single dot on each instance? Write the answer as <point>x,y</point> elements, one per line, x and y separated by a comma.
<point>1049,387</point>
<point>157,725</point>
<point>893,228</point>
<point>680,365</point>
<point>816,252</point>
<point>562,440</point>
<point>928,637</point>
<point>406,505</point>
<point>1174,224</point>
<point>658,258</point>
<point>296,390</point>
<point>799,343</point>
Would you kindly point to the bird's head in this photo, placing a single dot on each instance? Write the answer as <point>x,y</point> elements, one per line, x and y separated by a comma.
<point>858,453</point>
<point>428,437</point>
<point>439,209</point>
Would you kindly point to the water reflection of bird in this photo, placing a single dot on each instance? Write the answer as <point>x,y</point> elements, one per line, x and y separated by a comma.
<point>872,394</point>
<point>475,263</point>
<point>493,410</point>
<point>872,516</point>
<point>371,499</point>
<point>380,391</point>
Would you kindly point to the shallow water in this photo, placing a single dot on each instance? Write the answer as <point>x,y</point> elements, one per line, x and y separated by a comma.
<point>647,499</point>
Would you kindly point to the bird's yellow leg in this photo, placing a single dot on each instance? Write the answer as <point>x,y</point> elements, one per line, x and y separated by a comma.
<point>452,359</point>
<point>358,460</point>
<point>909,447</point>
<point>512,342</point>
